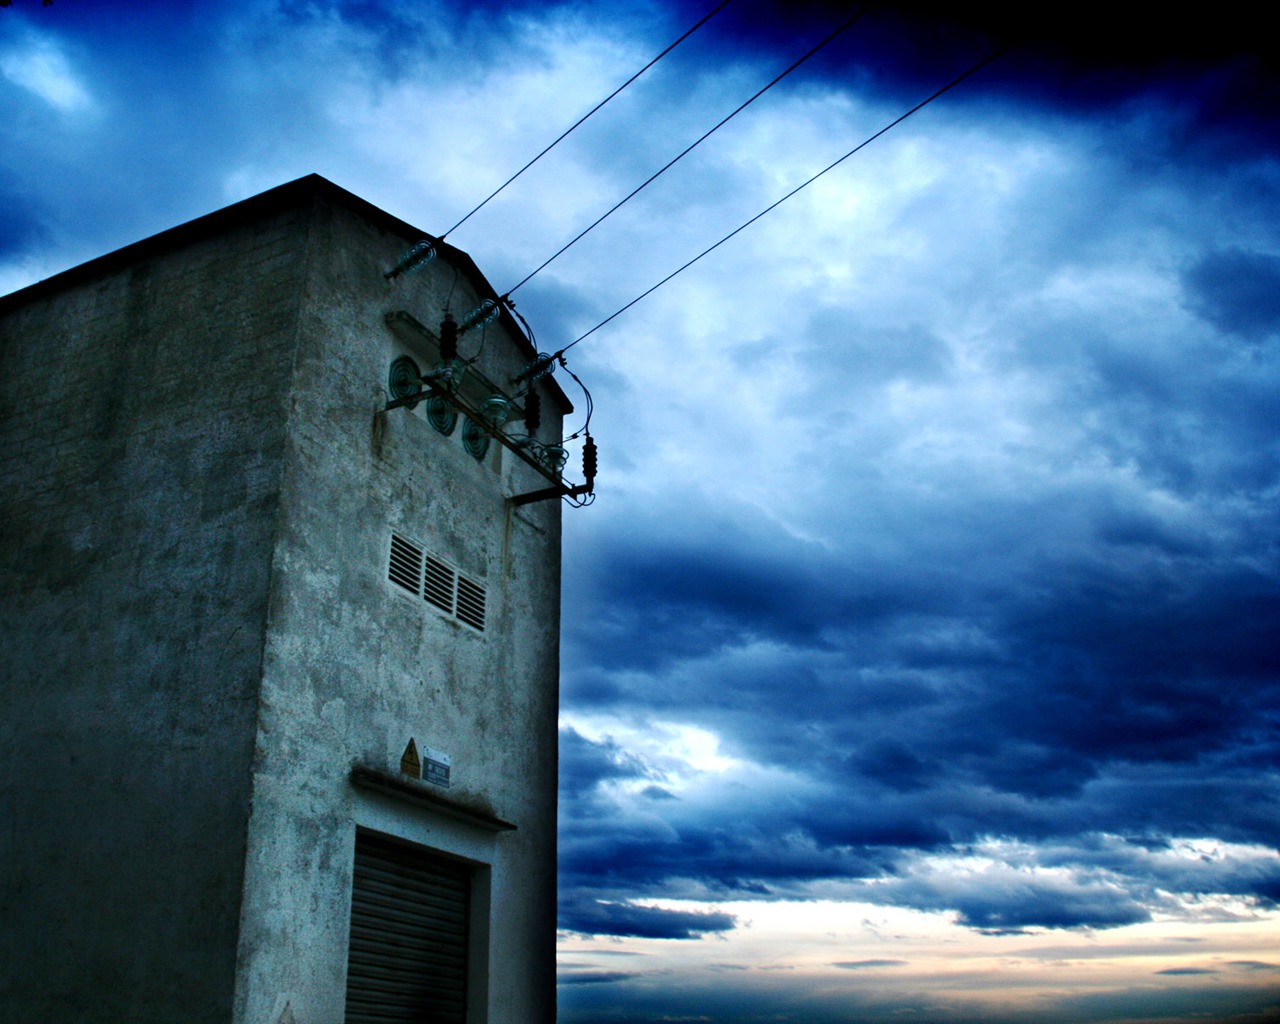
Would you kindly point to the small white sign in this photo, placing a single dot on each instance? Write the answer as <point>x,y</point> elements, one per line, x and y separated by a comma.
<point>435,767</point>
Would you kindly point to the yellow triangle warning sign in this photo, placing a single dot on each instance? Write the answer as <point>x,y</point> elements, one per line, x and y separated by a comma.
<point>410,762</point>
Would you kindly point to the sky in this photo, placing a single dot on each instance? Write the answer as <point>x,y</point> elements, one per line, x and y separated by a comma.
<point>920,651</point>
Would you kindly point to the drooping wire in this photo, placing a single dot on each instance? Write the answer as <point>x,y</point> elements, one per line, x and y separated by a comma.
<point>561,137</point>
<point>680,156</point>
<point>528,330</point>
<point>542,365</point>
<point>589,452</point>
<point>865,142</point>
<point>586,426</point>
<point>551,360</point>
<point>449,298</point>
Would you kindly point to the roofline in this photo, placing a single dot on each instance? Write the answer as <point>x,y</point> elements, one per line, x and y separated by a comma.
<point>291,195</point>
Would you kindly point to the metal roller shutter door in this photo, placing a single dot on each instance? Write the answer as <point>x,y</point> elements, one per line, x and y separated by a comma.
<point>409,917</point>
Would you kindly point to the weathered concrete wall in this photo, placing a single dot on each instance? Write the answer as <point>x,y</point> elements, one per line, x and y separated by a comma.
<point>142,429</point>
<point>198,640</point>
<point>353,668</point>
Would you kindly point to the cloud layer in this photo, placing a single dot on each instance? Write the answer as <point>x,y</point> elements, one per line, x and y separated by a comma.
<point>934,566</point>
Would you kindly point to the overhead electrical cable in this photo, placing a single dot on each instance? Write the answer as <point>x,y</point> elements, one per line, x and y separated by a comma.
<point>865,142</point>
<point>703,20</point>
<point>679,156</point>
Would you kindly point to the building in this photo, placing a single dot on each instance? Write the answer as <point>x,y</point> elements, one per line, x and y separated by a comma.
<point>279,664</point>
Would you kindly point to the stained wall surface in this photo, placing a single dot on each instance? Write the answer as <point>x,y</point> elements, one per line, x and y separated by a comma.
<point>355,666</point>
<point>198,488</point>
<point>142,434</point>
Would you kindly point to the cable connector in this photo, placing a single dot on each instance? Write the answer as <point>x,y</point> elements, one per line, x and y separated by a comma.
<point>448,338</point>
<point>589,461</point>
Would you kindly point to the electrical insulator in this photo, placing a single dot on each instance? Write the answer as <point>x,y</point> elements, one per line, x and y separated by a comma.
<point>537,369</point>
<point>589,460</point>
<point>448,338</point>
<point>415,259</point>
<point>532,412</point>
<point>485,313</point>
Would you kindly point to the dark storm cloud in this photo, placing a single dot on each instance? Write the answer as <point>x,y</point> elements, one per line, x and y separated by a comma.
<point>722,579</point>
<point>622,854</point>
<point>1189,971</point>
<point>778,842</point>
<point>146,78</point>
<point>584,765</point>
<point>1221,796</point>
<point>1268,889</point>
<point>1237,291</point>
<point>773,841</point>
<point>893,763</point>
<point>1166,663</point>
<point>592,977</point>
<point>20,228</point>
<point>1196,657</point>
<point>1083,60</point>
<point>1051,647</point>
<point>776,847</point>
<point>598,917</point>
<point>694,597</point>
<point>950,712</point>
<point>1024,904</point>
<point>726,582</point>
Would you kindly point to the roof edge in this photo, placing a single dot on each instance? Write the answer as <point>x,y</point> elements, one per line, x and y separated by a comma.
<point>289,195</point>
<point>294,194</point>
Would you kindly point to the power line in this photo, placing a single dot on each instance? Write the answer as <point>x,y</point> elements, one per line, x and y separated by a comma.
<point>682,154</point>
<point>705,18</point>
<point>865,142</point>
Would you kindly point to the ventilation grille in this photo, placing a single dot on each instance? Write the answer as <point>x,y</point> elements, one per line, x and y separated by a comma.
<point>470,603</point>
<point>405,569</point>
<point>439,584</point>
<point>410,568</point>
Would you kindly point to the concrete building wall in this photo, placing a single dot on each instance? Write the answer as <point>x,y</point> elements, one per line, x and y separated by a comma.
<point>355,667</point>
<point>142,430</point>
<point>201,643</point>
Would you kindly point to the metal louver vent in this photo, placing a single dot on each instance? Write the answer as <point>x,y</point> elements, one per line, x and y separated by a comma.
<point>471,603</point>
<point>439,585</point>
<point>410,568</point>
<point>405,566</point>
